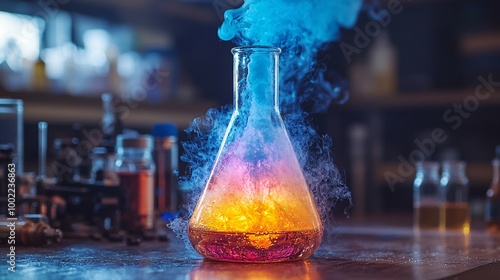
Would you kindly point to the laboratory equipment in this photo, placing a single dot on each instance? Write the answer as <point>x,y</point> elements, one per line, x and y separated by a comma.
<point>11,122</point>
<point>256,205</point>
<point>492,216</point>
<point>166,156</point>
<point>103,167</point>
<point>110,123</point>
<point>42,148</point>
<point>29,233</point>
<point>135,168</point>
<point>6,161</point>
<point>426,198</point>
<point>454,192</point>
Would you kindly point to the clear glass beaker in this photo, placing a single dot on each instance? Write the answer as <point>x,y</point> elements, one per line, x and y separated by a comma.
<point>11,122</point>
<point>256,205</point>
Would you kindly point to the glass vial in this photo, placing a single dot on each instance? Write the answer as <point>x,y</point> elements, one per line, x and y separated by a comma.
<point>135,168</point>
<point>166,156</point>
<point>492,216</point>
<point>256,205</point>
<point>454,188</point>
<point>426,199</point>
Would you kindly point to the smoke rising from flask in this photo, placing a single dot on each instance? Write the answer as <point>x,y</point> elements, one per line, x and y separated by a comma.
<point>300,28</point>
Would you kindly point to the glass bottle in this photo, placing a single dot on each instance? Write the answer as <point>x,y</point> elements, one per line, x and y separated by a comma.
<point>455,195</point>
<point>166,156</point>
<point>426,200</point>
<point>256,205</point>
<point>135,168</point>
<point>493,197</point>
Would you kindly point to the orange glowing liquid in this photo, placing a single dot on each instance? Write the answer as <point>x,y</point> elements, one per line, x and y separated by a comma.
<point>256,206</point>
<point>271,225</point>
<point>255,247</point>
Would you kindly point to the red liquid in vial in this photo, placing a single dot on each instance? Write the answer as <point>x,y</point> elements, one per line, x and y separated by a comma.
<point>138,188</point>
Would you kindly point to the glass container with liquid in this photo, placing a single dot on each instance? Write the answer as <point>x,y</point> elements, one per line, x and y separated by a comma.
<point>256,205</point>
<point>454,192</point>
<point>135,168</point>
<point>426,199</point>
<point>493,197</point>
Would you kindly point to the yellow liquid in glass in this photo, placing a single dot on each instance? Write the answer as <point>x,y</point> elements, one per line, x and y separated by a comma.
<point>427,216</point>
<point>456,216</point>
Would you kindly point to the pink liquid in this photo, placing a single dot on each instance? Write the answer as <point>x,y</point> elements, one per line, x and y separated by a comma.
<point>255,247</point>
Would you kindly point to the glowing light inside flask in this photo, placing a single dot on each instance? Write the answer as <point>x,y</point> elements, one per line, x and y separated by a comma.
<point>266,194</point>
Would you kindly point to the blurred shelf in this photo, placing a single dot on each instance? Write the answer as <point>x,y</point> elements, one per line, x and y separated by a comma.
<point>488,42</point>
<point>64,109</point>
<point>151,14</point>
<point>479,174</point>
<point>415,100</point>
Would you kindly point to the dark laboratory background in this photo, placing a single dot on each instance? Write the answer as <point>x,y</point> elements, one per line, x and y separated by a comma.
<point>163,62</point>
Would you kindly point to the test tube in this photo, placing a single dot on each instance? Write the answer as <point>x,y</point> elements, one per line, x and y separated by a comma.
<point>42,148</point>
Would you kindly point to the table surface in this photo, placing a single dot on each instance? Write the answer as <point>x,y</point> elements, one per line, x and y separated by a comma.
<point>352,252</point>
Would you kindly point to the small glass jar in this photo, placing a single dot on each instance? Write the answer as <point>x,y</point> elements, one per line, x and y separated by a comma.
<point>426,199</point>
<point>454,192</point>
<point>135,168</point>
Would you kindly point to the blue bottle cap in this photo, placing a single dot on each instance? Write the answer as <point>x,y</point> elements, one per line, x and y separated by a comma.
<point>164,130</point>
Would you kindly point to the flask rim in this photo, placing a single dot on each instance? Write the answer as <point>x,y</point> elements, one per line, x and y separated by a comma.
<point>255,49</point>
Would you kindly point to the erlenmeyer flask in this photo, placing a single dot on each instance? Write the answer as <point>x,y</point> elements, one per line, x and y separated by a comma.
<point>256,205</point>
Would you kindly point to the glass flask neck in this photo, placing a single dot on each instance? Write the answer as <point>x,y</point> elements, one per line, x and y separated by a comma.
<point>454,171</point>
<point>256,79</point>
<point>427,171</point>
<point>133,153</point>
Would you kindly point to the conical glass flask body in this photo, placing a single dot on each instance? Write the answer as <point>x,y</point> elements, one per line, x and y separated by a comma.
<point>256,205</point>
